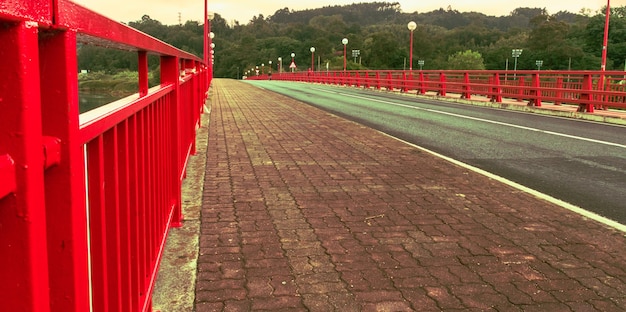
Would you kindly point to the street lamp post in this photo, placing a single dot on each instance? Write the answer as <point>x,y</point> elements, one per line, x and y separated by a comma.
<point>605,43</point>
<point>345,43</point>
<point>280,65</point>
<point>312,58</point>
<point>270,66</point>
<point>207,45</point>
<point>538,63</point>
<point>516,53</point>
<point>412,26</point>
<point>606,35</point>
<point>293,62</point>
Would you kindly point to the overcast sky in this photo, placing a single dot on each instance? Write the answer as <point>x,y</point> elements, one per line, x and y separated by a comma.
<point>167,11</point>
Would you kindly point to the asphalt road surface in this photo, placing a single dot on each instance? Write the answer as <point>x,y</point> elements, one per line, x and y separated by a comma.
<point>579,162</point>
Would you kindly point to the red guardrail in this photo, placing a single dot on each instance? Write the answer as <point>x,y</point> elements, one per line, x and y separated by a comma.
<point>86,200</point>
<point>588,89</point>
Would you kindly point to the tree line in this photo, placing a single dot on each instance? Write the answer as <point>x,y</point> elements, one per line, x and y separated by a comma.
<point>444,39</point>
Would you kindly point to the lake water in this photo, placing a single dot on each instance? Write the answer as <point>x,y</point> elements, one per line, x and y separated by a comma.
<point>91,100</point>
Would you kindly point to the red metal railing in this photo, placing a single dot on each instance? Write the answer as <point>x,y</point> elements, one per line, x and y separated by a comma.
<point>86,200</point>
<point>559,87</point>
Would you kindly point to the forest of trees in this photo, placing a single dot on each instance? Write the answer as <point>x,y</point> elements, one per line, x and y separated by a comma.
<point>444,39</point>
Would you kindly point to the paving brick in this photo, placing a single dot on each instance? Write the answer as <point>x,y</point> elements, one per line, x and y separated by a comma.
<point>305,211</point>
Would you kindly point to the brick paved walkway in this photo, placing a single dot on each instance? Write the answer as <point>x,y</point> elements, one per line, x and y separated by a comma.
<point>305,211</point>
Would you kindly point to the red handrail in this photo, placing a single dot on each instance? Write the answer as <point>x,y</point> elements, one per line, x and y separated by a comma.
<point>579,88</point>
<point>86,200</point>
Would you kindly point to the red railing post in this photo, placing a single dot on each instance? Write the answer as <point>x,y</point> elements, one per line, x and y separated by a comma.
<point>535,91</point>
<point>558,94</point>
<point>65,182</point>
<point>357,78</point>
<point>378,83</point>
<point>522,86</point>
<point>367,80</point>
<point>585,95</point>
<point>142,57</point>
<point>442,84</point>
<point>405,87</point>
<point>467,92</point>
<point>170,76</point>
<point>496,89</point>
<point>389,81</point>
<point>422,84</point>
<point>23,238</point>
<point>602,85</point>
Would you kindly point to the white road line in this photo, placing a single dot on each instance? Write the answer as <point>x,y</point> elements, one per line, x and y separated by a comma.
<point>477,119</point>
<point>585,213</point>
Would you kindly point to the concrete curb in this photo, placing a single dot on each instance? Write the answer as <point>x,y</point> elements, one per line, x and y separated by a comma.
<point>176,282</point>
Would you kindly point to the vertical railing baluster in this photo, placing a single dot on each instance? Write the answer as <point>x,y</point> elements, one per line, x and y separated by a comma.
<point>97,224</point>
<point>112,217</point>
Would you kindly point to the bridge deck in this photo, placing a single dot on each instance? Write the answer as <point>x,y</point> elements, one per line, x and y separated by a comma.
<point>305,211</point>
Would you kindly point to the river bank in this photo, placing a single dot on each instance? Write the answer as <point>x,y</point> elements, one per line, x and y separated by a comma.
<point>99,88</point>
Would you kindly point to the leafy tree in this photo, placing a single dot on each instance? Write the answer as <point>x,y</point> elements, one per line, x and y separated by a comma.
<point>466,60</point>
<point>383,51</point>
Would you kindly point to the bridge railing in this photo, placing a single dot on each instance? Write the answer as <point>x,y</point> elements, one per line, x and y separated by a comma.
<point>588,90</point>
<point>86,200</point>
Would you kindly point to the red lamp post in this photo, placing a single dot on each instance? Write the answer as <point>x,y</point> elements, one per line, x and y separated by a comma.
<point>412,26</point>
<point>345,43</point>
<point>606,35</point>
<point>605,44</point>
<point>312,58</point>
<point>206,44</point>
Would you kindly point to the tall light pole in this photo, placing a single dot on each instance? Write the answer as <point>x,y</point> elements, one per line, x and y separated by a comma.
<point>207,42</point>
<point>345,43</point>
<point>312,58</point>
<point>605,42</point>
<point>412,26</point>
<point>206,34</point>
<point>516,53</point>
<point>280,65</point>
<point>293,62</point>
<point>538,63</point>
